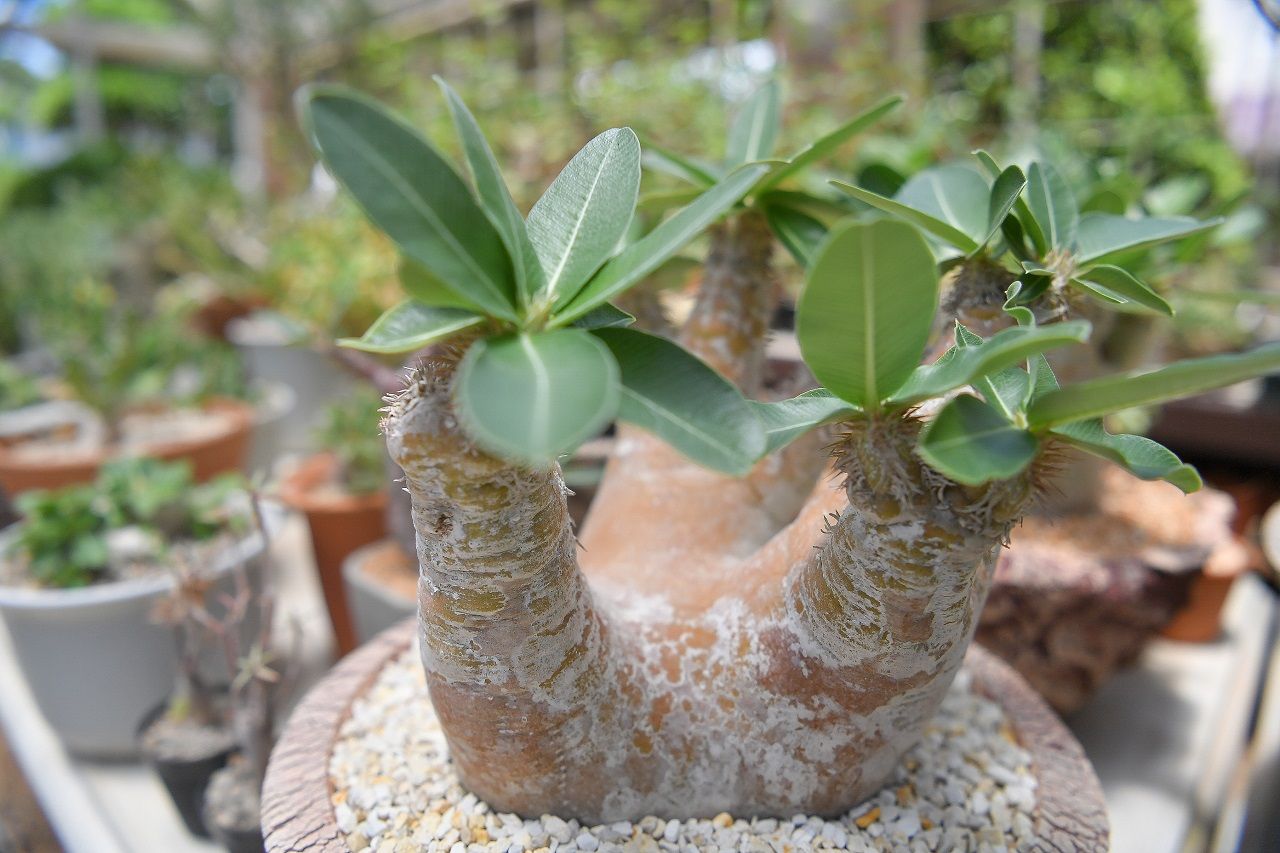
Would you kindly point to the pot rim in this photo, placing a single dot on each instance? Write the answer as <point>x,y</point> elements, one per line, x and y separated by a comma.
<point>298,813</point>
<point>243,418</point>
<point>297,487</point>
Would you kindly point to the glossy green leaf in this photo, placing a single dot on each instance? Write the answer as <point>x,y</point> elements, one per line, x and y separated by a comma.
<point>825,145</point>
<point>583,215</point>
<point>960,366</point>
<point>1104,234</point>
<point>642,257</point>
<point>1098,397</point>
<point>1052,205</point>
<point>424,286</point>
<point>657,203</point>
<point>413,194</point>
<point>672,394</point>
<point>1120,285</point>
<point>1008,389</point>
<point>864,316</point>
<point>604,317</point>
<point>1137,454</point>
<point>755,129</point>
<point>685,168</point>
<point>972,443</point>
<point>786,420</point>
<point>1004,194</point>
<point>799,232</point>
<point>494,196</point>
<point>956,195</point>
<point>938,227</point>
<point>531,398</point>
<point>410,326</point>
<point>1023,224</point>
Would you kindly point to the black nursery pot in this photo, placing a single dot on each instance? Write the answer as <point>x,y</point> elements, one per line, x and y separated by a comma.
<point>186,780</point>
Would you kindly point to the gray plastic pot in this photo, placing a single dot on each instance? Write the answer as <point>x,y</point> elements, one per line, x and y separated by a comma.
<point>374,607</point>
<point>94,661</point>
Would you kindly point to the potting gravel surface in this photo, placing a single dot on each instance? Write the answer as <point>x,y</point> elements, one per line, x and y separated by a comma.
<point>968,786</point>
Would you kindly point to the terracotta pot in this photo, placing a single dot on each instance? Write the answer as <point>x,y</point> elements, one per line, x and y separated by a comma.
<point>298,815</point>
<point>340,523</point>
<point>209,456</point>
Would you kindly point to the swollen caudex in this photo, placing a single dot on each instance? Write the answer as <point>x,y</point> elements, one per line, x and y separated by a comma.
<point>795,685</point>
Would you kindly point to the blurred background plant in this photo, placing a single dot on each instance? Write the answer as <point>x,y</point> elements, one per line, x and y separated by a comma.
<point>350,433</point>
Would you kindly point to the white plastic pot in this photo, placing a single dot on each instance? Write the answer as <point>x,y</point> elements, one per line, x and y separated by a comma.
<point>95,662</point>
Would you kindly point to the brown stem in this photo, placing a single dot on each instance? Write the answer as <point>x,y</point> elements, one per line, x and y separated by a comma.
<point>729,325</point>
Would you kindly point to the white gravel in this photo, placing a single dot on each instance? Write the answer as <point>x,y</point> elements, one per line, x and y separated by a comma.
<point>966,787</point>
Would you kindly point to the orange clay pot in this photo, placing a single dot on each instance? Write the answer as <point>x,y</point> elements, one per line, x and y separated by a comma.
<point>209,456</point>
<point>340,523</point>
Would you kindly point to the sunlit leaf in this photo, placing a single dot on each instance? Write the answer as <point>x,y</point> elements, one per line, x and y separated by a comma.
<point>828,143</point>
<point>972,443</point>
<point>1052,204</point>
<point>1004,194</point>
<point>413,194</point>
<point>1098,397</point>
<point>672,394</point>
<point>1137,454</point>
<point>1119,285</point>
<point>786,420</point>
<point>1104,234</point>
<point>579,221</point>
<point>410,326</point>
<point>864,316</point>
<point>494,196</point>
<point>531,398</point>
<point>755,129</point>
<point>648,253</point>
<point>604,317</point>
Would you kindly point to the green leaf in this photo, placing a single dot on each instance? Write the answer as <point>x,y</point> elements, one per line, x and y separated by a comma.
<point>1118,284</point>
<point>424,286</point>
<point>786,420</point>
<point>936,226</point>
<point>799,232</point>
<point>648,253</point>
<point>1007,389</point>
<point>1098,397</point>
<point>1052,205</point>
<point>972,443</point>
<point>661,202</point>
<point>494,196</point>
<point>1103,234</point>
<point>531,398</point>
<point>828,143</point>
<point>413,194</point>
<point>961,365</point>
<point>1137,454</point>
<point>956,195</point>
<point>580,219</point>
<point>410,326</point>
<point>685,168</point>
<point>864,316</point>
<point>604,317</point>
<point>1023,223</point>
<point>1004,194</point>
<point>671,393</point>
<point>755,129</point>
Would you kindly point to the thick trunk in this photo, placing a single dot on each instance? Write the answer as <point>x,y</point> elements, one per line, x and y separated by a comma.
<point>729,325</point>
<point>755,680</point>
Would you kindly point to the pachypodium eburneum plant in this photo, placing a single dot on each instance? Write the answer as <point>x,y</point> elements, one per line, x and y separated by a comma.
<point>708,648</point>
<point>1004,227</point>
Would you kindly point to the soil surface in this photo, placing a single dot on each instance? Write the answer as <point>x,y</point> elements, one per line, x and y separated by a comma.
<point>15,569</point>
<point>139,431</point>
<point>168,739</point>
<point>391,568</point>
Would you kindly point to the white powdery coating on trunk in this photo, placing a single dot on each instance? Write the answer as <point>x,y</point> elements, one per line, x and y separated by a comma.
<point>967,784</point>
